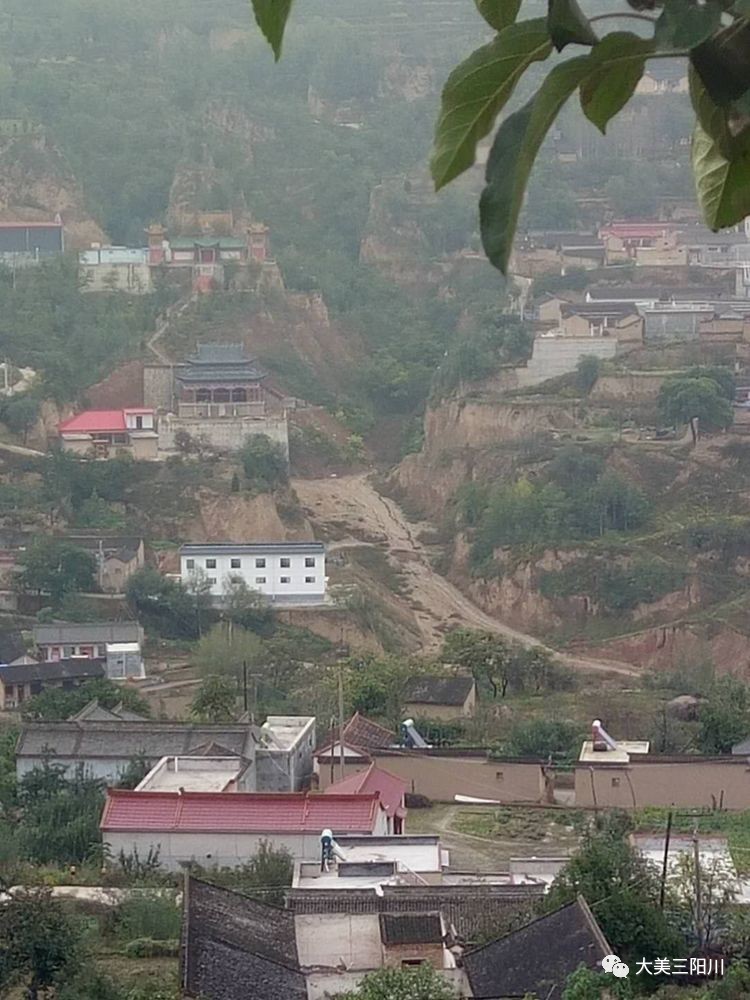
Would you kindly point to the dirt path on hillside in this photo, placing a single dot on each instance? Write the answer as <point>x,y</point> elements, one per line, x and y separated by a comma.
<point>351,503</point>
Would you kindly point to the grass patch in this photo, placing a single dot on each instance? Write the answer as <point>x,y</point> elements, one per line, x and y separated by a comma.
<point>519,823</point>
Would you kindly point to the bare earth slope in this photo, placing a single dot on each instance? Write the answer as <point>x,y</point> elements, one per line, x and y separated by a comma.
<point>351,503</point>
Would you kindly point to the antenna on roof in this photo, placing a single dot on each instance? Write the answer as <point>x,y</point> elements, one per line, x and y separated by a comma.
<point>600,738</point>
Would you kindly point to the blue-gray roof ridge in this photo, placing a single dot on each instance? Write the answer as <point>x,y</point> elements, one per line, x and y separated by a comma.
<point>209,548</point>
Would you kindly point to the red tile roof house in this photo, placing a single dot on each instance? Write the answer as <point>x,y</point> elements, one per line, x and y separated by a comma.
<point>103,433</point>
<point>375,781</point>
<point>223,829</point>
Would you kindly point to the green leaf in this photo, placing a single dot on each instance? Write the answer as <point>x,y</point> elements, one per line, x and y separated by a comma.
<point>722,182</point>
<point>512,156</point>
<point>477,90</point>
<point>568,25</point>
<point>682,24</point>
<point>712,118</point>
<point>498,13</point>
<point>618,63</point>
<point>271,16</point>
<point>723,62</point>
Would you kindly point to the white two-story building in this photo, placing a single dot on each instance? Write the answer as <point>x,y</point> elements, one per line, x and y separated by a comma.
<point>283,572</point>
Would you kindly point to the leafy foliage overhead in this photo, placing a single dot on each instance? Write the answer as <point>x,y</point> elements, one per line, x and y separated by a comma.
<point>606,76</point>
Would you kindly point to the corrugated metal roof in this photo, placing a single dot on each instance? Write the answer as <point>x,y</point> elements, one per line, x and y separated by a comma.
<point>238,812</point>
<point>95,420</point>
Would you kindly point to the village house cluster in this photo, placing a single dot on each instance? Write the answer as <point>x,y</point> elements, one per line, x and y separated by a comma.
<point>650,283</point>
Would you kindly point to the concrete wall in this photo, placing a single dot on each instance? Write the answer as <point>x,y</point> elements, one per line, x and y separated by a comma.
<point>266,579</point>
<point>328,939</point>
<point>446,712</point>
<point>158,387</point>
<point>218,849</point>
<point>703,784</point>
<point>223,434</point>
<point>664,325</point>
<point>442,778</point>
<point>132,278</point>
<point>108,770</point>
<point>553,356</point>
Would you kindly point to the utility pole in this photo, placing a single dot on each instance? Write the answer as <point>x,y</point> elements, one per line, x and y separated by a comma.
<point>698,899</point>
<point>244,684</point>
<point>666,860</point>
<point>341,722</point>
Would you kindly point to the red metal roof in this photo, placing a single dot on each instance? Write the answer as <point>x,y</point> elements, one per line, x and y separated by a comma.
<point>238,812</point>
<point>374,781</point>
<point>95,420</point>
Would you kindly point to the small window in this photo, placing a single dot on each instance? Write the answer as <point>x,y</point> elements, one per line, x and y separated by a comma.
<point>260,579</point>
<point>309,561</point>
<point>235,563</point>
<point>260,563</point>
<point>499,776</point>
<point>210,564</point>
<point>284,562</point>
<point>190,563</point>
<point>211,581</point>
<point>309,579</point>
<point>615,782</point>
<point>406,962</point>
<point>235,579</point>
<point>285,579</point>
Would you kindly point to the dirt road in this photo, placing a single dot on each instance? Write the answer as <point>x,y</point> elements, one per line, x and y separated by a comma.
<point>352,504</point>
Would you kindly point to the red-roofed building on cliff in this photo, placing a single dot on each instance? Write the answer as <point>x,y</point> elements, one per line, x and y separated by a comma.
<point>104,433</point>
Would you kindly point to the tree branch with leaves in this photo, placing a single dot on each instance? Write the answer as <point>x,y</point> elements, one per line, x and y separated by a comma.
<point>713,36</point>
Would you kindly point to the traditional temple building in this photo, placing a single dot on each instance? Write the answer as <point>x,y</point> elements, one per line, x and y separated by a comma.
<point>219,381</point>
<point>207,254</point>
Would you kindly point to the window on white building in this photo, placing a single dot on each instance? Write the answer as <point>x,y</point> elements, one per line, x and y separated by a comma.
<point>309,579</point>
<point>235,563</point>
<point>285,563</point>
<point>210,564</point>
<point>309,561</point>
<point>211,580</point>
<point>190,563</point>
<point>260,579</point>
<point>285,579</point>
<point>260,563</point>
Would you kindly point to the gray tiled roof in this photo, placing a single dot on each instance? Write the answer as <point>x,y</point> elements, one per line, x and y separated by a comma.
<point>235,947</point>
<point>538,958</point>
<point>84,740</point>
<point>436,689</point>
<point>219,363</point>
<point>72,633</point>
<point>11,645</point>
<point>70,669</point>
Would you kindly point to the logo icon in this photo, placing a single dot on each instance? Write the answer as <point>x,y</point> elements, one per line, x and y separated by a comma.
<point>613,965</point>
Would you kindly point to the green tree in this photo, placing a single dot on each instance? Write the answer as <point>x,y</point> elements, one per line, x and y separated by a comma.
<point>543,738</point>
<point>56,567</point>
<point>20,414</point>
<point>588,984</point>
<point>622,889</point>
<point>587,372</point>
<point>60,815</point>
<point>491,659</point>
<point>724,717</point>
<point>246,607</point>
<point>264,462</point>
<point>166,606</point>
<point>215,699</point>
<point>419,983</point>
<point>57,704</point>
<point>225,648</point>
<point>40,945</point>
<point>682,397</point>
